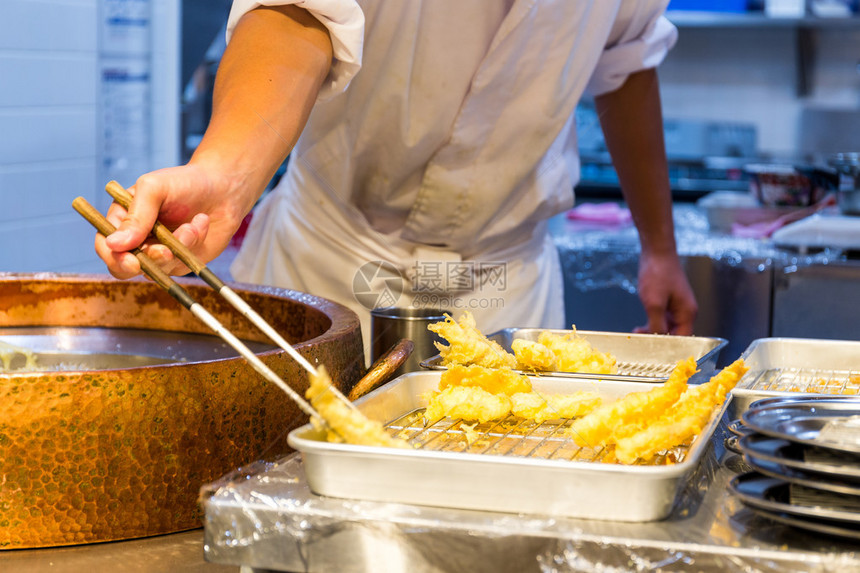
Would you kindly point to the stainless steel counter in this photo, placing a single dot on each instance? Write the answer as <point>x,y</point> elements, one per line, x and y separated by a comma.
<point>177,552</point>
<point>746,288</point>
<point>817,301</point>
<point>270,520</point>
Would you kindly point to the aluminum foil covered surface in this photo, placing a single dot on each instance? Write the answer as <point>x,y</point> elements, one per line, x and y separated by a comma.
<point>266,517</point>
<point>607,255</point>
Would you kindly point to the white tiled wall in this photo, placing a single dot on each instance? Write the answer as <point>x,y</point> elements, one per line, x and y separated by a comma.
<point>48,54</point>
<point>165,76</point>
<point>50,142</point>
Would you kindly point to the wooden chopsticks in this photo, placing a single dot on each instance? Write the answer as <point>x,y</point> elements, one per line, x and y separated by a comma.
<point>162,279</point>
<point>166,237</point>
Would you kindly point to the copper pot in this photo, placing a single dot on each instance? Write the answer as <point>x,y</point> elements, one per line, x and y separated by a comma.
<point>103,455</point>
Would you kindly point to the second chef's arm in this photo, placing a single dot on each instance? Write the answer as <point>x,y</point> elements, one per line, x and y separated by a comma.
<point>632,123</point>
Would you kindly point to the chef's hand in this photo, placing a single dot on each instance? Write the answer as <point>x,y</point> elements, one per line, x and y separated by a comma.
<point>666,295</point>
<point>190,201</point>
<point>267,83</point>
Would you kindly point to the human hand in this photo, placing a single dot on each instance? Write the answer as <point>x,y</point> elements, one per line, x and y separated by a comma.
<point>196,205</point>
<point>666,296</point>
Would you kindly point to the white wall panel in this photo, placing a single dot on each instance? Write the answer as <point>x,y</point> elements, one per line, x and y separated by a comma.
<point>54,120</point>
<point>48,25</point>
<point>47,133</point>
<point>835,73</point>
<point>38,190</point>
<point>750,75</point>
<point>53,244</point>
<point>46,79</point>
<point>166,88</point>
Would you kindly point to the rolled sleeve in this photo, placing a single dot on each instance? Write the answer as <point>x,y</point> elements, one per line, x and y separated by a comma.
<point>633,52</point>
<point>344,21</point>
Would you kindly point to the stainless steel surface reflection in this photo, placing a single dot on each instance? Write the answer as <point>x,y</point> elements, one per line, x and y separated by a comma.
<point>390,325</point>
<point>508,466</point>
<point>95,348</point>
<point>270,519</point>
<point>177,552</point>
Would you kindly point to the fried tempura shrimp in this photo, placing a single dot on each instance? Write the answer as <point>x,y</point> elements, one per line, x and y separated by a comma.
<point>574,353</point>
<point>533,355</point>
<point>346,424</point>
<point>598,427</point>
<point>471,403</point>
<point>496,381</point>
<point>687,417</point>
<point>467,345</point>
<point>543,407</point>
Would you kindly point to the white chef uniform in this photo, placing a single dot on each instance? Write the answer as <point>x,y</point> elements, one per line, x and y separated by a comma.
<point>446,152</point>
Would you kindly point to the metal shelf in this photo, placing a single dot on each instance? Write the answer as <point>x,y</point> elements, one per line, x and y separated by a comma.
<point>806,30</point>
<point>693,19</point>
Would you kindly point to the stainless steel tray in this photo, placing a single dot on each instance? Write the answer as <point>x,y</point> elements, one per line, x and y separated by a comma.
<point>800,477</point>
<point>827,527</point>
<point>781,367</point>
<point>641,356</point>
<point>535,471</point>
<point>266,518</point>
<point>800,456</point>
<point>802,422</point>
<point>774,495</point>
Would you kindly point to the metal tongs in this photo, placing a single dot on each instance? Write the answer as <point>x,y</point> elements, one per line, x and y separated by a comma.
<point>154,272</point>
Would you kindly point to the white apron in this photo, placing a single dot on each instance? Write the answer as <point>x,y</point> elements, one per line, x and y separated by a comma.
<point>442,160</point>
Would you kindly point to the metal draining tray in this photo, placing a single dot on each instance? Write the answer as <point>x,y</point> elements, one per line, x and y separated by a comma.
<point>512,467</point>
<point>783,367</point>
<point>642,356</point>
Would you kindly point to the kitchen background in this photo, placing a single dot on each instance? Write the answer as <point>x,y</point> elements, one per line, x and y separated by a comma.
<point>93,90</point>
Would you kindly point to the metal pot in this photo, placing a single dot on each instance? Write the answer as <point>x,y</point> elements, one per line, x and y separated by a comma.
<point>777,185</point>
<point>98,455</point>
<point>848,167</point>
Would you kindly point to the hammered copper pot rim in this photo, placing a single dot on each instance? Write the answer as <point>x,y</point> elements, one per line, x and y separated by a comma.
<point>134,445</point>
<point>320,304</point>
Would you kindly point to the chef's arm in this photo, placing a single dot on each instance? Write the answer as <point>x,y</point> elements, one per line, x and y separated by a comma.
<point>632,123</point>
<point>266,86</point>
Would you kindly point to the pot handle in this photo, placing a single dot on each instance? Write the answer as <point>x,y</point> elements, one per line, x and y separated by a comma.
<point>382,369</point>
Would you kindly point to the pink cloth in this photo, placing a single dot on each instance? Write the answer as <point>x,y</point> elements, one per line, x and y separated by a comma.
<point>604,213</point>
<point>765,229</point>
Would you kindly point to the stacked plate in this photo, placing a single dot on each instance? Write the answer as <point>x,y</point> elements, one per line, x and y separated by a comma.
<point>805,455</point>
